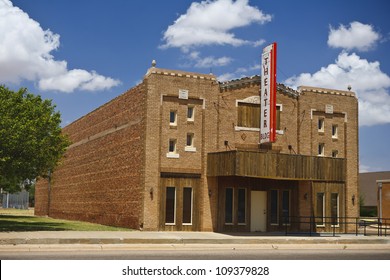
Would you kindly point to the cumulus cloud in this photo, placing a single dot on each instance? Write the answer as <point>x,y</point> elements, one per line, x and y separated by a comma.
<point>77,79</point>
<point>358,36</point>
<point>207,62</point>
<point>210,23</point>
<point>240,73</point>
<point>366,79</point>
<point>26,54</point>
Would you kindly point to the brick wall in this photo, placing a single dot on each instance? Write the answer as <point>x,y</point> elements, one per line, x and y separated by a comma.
<point>312,106</point>
<point>386,201</point>
<point>100,177</point>
<point>163,91</point>
<point>239,137</point>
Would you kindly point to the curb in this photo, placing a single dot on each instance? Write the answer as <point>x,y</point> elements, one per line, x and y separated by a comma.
<point>249,241</point>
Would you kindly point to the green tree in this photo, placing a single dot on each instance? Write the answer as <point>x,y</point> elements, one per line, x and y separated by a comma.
<point>31,142</point>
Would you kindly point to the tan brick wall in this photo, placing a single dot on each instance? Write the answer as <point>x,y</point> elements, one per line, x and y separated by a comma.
<point>99,179</point>
<point>247,138</point>
<point>163,91</point>
<point>312,102</point>
<point>386,201</point>
<point>112,172</point>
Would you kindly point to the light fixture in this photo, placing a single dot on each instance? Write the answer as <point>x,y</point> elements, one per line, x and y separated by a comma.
<point>151,193</point>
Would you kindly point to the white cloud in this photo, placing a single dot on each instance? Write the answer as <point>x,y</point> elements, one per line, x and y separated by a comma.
<point>210,22</point>
<point>259,43</point>
<point>77,79</point>
<point>358,36</point>
<point>209,61</point>
<point>25,54</point>
<point>366,79</point>
<point>240,73</point>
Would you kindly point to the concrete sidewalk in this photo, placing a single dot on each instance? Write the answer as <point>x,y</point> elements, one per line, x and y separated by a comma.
<point>141,237</point>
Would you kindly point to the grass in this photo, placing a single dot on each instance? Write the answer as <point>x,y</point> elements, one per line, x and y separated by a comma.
<point>24,220</point>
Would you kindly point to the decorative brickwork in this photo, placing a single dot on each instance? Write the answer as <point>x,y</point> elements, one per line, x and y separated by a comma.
<point>142,157</point>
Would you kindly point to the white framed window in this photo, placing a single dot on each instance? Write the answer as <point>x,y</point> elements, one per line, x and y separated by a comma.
<point>187,205</point>
<point>170,206</point>
<point>190,113</point>
<point>320,210</point>
<point>241,207</point>
<point>190,143</point>
<point>334,209</point>
<point>173,118</point>
<point>172,149</point>
<point>335,131</point>
<point>229,206</point>
<point>321,149</point>
<point>286,207</point>
<point>321,125</point>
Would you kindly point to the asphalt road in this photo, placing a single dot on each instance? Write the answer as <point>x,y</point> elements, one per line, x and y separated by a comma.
<point>198,253</point>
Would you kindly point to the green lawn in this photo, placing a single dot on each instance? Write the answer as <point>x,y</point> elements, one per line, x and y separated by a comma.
<point>24,220</point>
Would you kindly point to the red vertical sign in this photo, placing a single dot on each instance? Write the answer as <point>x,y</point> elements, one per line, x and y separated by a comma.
<point>268,95</point>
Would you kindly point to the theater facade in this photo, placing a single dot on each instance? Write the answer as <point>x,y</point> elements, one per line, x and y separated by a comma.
<point>180,152</point>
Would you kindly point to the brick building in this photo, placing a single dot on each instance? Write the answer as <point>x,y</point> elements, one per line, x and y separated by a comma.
<point>384,200</point>
<point>181,151</point>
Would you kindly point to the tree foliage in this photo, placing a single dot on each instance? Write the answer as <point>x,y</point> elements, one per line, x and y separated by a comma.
<point>31,142</point>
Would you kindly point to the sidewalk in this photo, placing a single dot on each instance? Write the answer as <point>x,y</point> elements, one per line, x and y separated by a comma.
<point>140,237</point>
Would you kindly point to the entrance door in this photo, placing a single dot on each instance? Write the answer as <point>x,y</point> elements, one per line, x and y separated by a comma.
<point>258,211</point>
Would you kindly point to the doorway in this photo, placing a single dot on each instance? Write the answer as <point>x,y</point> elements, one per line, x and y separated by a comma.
<point>259,211</point>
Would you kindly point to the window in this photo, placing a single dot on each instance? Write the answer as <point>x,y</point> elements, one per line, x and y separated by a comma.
<point>278,110</point>
<point>334,208</point>
<point>190,113</point>
<point>286,207</point>
<point>187,205</point>
<point>228,206</point>
<point>321,149</point>
<point>170,206</point>
<point>274,207</point>
<point>241,215</point>
<point>172,146</point>
<point>249,115</point>
<point>320,210</point>
<point>173,118</point>
<point>190,143</point>
<point>335,153</point>
<point>172,151</point>
<point>321,125</point>
<point>334,131</point>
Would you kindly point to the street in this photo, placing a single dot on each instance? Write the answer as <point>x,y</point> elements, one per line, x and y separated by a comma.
<point>198,252</point>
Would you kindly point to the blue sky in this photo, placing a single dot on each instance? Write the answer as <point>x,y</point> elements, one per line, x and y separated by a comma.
<point>82,53</point>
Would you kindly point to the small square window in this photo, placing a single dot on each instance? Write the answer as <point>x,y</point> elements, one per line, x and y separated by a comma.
<point>334,131</point>
<point>321,125</point>
<point>190,113</point>
<point>321,149</point>
<point>173,118</point>
<point>335,153</point>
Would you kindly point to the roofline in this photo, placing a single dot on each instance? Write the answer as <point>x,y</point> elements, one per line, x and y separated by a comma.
<point>326,91</point>
<point>256,80</point>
